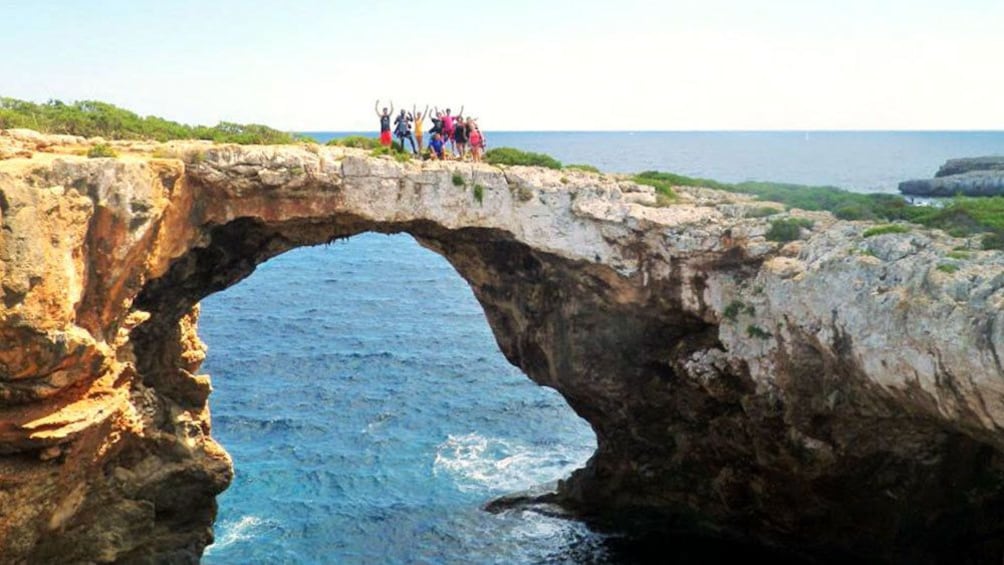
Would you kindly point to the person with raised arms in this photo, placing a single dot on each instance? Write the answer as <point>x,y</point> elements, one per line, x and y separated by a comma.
<point>419,119</point>
<point>402,130</point>
<point>385,138</point>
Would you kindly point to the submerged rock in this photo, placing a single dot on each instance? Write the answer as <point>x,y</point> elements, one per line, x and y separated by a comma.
<point>841,394</point>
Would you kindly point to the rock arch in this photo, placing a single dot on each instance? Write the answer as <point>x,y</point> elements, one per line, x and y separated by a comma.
<point>780,393</point>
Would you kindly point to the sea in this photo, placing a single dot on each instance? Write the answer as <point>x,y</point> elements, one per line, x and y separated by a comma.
<point>371,415</point>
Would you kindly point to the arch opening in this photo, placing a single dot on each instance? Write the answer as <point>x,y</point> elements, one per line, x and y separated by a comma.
<point>370,413</point>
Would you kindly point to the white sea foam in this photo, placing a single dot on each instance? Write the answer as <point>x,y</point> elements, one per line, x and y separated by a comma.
<point>231,532</point>
<point>478,462</point>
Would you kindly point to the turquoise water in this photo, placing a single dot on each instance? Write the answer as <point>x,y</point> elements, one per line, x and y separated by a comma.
<point>370,413</point>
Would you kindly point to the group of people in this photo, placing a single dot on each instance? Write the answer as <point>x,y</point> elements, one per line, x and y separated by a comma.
<point>452,135</point>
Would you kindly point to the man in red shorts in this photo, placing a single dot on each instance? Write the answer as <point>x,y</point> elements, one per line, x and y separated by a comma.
<point>385,138</point>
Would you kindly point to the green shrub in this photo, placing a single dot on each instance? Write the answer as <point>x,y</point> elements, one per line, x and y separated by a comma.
<point>101,150</point>
<point>585,168</point>
<point>357,141</point>
<point>948,268</point>
<point>787,229</point>
<point>993,241</point>
<point>662,188</point>
<point>761,212</point>
<point>672,179</point>
<point>90,118</point>
<point>458,179</point>
<point>563,180</point>
<point>392,151</point>
<point>957,254</point>
<point>479,193</point>
<point>757,332</point>
<point>888,228</point>
<point>510,156</point>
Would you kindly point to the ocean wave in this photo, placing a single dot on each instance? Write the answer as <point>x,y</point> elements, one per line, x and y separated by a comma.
<point>244,529</point>
<point>495,464</point>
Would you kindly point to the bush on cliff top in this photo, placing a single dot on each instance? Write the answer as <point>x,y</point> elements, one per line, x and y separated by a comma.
<point>90,118</point>
<point>357,141</point>
<point>510,156</point>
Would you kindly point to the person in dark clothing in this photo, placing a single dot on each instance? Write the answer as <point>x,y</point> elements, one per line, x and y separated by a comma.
<point>385,138</point>
<point>437,123</point>
<point>460,137</point>
<point>402,130</point>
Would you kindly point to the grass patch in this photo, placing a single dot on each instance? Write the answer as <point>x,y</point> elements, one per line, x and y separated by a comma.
<point>757,332</point>
<point>392,151</point>
<point>956,254</point>
<point>101,150</point>
<point>761,212</point>
<point>886,229</point>
<point>672,179</point>
<point>585,168</point>
<point>511,156</point>
<point>479,193</point>
<point>662,188</point>
<point>787,229</point>
<point>948,268</point>
<point>91,118</point>
<point>458,180</point>
<point>357,141</point>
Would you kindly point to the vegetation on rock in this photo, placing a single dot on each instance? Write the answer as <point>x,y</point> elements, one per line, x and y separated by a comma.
<point>888,228</point>
<point>787,229</point>
<point>101,150</point>
<point>357,141</point>
<point>510,156</point>
<point>959,217</point>
<point>584,168</point>
<point>89,118</point>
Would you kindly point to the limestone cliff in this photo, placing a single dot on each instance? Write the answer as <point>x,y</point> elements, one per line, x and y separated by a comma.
<point>838,393</point>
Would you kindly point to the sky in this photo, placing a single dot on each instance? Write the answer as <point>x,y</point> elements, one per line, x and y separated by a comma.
<point>520,64</point>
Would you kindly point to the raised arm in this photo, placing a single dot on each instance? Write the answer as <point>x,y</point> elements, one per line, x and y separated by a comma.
<point>425,114</point>
<point>376,107</point>
<point>461,112</point>
<point>391,107</point>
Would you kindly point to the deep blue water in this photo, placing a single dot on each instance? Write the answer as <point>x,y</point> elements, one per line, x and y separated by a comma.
<point>370,413</point>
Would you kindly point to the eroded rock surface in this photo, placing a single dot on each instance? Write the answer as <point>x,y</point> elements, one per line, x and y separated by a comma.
<point>832,394</point>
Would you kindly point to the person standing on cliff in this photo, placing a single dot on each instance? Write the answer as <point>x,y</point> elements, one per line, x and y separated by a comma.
<point>477,139</point>
<point>460,137</point>
<point>448,127</point>
<point>385,138</point>
<point>419,119</point>
<point>402,130</point>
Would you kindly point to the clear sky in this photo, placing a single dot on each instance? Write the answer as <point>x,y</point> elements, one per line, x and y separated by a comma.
<point>521,64</point>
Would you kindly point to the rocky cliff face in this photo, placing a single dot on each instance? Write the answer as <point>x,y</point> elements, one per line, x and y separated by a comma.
<point>839,393</point>
<point>975,176</point>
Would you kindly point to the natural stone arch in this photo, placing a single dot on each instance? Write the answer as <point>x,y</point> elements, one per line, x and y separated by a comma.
<point>764,391</point>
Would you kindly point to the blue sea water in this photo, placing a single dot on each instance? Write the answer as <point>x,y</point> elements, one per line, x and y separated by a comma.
<point>370,413</point>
